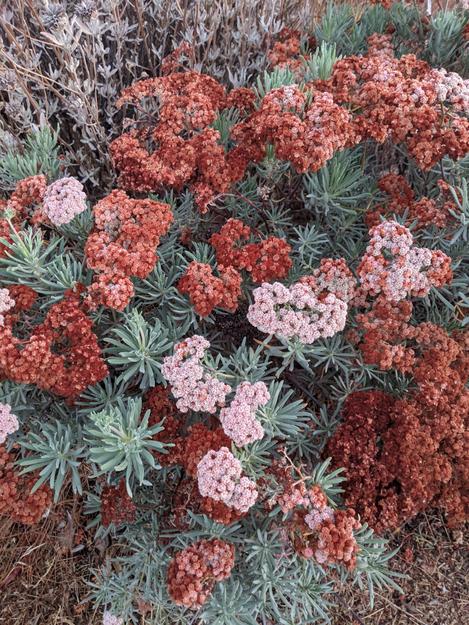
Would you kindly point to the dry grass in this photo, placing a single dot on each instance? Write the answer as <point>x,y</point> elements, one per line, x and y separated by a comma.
<point>44,571</point>
<point>434,559</point>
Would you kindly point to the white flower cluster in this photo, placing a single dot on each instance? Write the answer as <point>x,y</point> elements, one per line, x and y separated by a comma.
<point>239,418</point>
<point>6,302</point>
<point>192,385</point>
<point>296,312</point>
<point>219,476</point>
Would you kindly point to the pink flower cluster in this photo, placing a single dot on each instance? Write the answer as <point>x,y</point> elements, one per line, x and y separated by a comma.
<point>394,267</point>
<point>452,88</point>
<point>316,516</point>
<point>6,302</point>
<point>8,422</point>
<point>63,200</point>
<point>298,311</point>
<point>219,476</point>
<point>192,385</point>
<point>110,619</point>
<point>239,418</point>
<point>333,276</point>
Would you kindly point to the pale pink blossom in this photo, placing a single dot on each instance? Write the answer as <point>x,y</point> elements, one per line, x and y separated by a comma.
<point>297,312</point>
<point>194,387</point>
<point>452,88</point>
<point>316,516</point>
<point>287,97</point>
<point>6,302</point>
<point>8,422</point>
<point>110,619</point>
<point>219,476</point>
<point>63,200</point>
<point>239,418</point>
<point>244,495</point>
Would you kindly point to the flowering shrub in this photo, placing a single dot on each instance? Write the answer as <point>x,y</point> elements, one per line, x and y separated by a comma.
<point>251,353</point>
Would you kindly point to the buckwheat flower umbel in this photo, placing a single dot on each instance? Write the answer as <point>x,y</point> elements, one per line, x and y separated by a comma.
<point>219,476</point>
<point>6,302</point>
<point>193,572</point>
<point>297,312</point>
<point>394,267</point>
<point>333,276</point>
<point>8,422</point>
<point>239,418</point>
<point>316,516</point>
<point>452,88</point>
<point>191,383</point>
<point>244,495</point>
<point>110,619</point>
<point>63,200</point>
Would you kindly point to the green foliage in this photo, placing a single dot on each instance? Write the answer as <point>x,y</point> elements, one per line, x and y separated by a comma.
<point>445,38</point>
<point>334,24</point>
<point>40,155</point>
<point>281,417</point>
<point>42,265</point>
<point>461,214</point>
<point>278,77</point>
<point>224,123</point>
<point>55,453</point>
<point>372,569</point>
<point>120,441</point>
<point>373,19</point>
<point>341,184</point>
<point>321,62</point>
<point>136,348</point>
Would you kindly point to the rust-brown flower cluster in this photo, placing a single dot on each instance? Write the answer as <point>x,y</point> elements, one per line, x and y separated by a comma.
<point>194,571</point>
<point>61,355</point>
<point>405,455</point>
<point>207,291</point>
<point>422,212</point>
<point>398,99</point>
<point>312,527</point>
<point>116,505</point>
<point>264,261</point>
<point>174,145</point>
<point>122,245</point>
<point>17,502</point>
